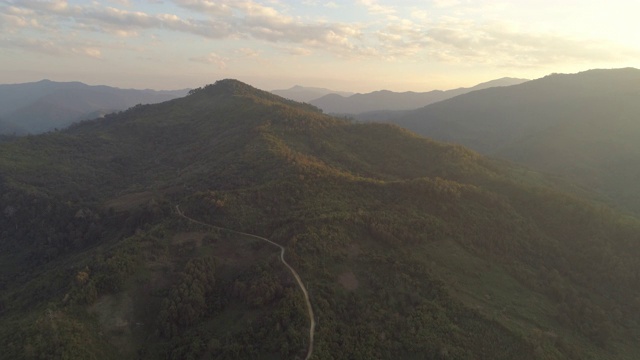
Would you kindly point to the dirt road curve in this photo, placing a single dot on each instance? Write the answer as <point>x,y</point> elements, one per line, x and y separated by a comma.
<point>312,322</point>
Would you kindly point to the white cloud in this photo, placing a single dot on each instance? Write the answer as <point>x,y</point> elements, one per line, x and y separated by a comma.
<point>219,8</point>
<point>297,51</point>
<point>247,52</point>
<point>11,22</point>
<point>375,8</point>
<point>413,34</point>
<point>445,3</point>
<point>35,45</point>
<point>213,59</point>
<point>88,51</point>
<point>502,46</point>
<point>12,10</point>
<point>421,15</point>
<point>114,20</point>
<point>225,19</point>
<point>121,2</point>
<point>54,48</point>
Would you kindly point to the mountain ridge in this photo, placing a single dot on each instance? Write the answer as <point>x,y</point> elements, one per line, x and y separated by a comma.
<point>396,101</point>
<point>42,106</point>
<point>307,93</point>
<point>536,123</point>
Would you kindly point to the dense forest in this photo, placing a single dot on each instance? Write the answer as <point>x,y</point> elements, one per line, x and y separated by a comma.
<point>409,248</point>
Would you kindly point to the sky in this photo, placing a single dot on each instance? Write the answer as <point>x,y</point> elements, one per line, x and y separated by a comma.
<point>358,45</point>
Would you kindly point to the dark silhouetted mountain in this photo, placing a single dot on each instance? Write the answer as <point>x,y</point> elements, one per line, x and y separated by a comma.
<point>410,248</point>
<point>45,105</point>
<point>306,94</point>
<point>583,126</point>
<point>393,101</point>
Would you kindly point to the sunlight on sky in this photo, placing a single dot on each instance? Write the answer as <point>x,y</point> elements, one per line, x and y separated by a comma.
<point>361,45</point>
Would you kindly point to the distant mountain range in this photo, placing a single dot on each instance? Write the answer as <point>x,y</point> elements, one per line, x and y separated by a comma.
<point>585,126</point>
<point>45,105</point>
<point>385,100</point>
<point>306,94</point>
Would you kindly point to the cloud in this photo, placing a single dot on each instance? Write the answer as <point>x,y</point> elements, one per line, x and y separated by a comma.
<point>246,52</point>
<point>224,19</point>
<point>297,51</point>
<point>411,34</point>
<point>445,3</point>
<point>117,21</point>
<point>502,46</point>
<point>254,20</point>
<point>54,48</point>
<point>418,14</point>
<point>40,6</point>
<point>13,22</point>
<point>122,20</point>
<point>88,51</point>
<point>218,8</point>
<point>34,45</point>
<point>213,59</point>
<point>121,2</point>
<point>374,7</point>
<point>402,39</point>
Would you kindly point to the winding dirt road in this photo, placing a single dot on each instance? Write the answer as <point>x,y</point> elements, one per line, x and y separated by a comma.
<point>312,321</point>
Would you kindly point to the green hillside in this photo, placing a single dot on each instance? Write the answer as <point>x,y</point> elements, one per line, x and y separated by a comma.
<point>581,126</point>
<point>409,248</point>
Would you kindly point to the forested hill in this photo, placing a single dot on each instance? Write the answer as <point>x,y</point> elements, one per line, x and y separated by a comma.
<point>582,126</point>
<point>409,248</point>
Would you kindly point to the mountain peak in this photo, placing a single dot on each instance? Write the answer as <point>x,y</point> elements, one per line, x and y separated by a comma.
<point>235,88</point>
<point>231,87</point>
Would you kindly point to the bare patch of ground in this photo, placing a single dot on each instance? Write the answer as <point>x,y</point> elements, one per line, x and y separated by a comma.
<point>115,314</point>
<point>348,280</point>
<point>129,201</point>
<point>183,237</point>
<point>353,250</point>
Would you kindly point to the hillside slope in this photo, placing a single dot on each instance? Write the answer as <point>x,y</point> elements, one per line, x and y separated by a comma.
<point>408,247</point>
<point>583,126</point>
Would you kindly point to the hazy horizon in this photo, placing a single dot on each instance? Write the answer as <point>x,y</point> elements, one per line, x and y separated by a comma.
<point>359,46</point>
<point>306,86</point>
